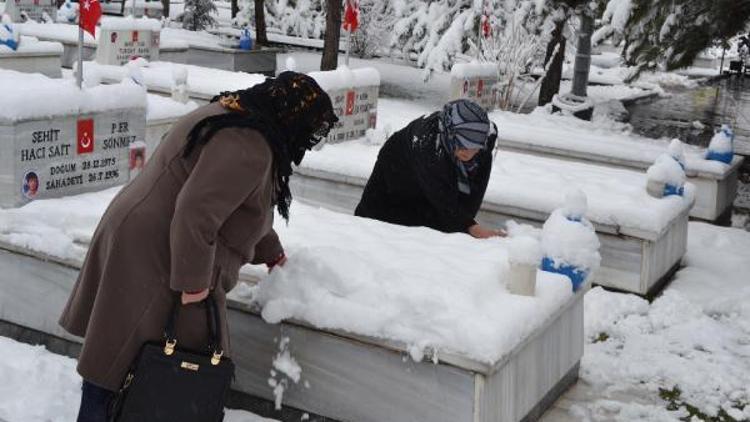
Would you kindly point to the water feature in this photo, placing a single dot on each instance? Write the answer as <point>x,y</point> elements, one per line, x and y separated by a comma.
<point>693,114</point>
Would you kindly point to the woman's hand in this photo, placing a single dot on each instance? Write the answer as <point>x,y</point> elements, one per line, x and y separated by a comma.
<point>194,297</point>
<point>280,261</point>
<point>480,232</point>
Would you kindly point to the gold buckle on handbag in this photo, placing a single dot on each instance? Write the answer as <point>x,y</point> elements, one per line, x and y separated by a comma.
<point>169,347</point>
<point>216,358</point>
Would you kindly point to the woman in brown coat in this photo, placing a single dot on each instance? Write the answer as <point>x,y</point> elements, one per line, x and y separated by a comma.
<point>200,209</point>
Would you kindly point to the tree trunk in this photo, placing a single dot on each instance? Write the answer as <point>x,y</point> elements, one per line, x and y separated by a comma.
<point>165,3</point>
<point>583,56</point>
<point>333,34</point>
<point>235,8</point>
<point>551,83</point>
<point>260,23</point>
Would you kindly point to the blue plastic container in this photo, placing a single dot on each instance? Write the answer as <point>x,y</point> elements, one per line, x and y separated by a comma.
<point>10,42</point>
<point>673,190</point>
<point>724,157</point>
<point>575,274</point>
<point>246,40</point>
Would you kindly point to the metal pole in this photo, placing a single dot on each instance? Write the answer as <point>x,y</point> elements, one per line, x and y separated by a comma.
<point>348,46</point>
<point>582,64</point>
<point>79,73</point>
<point>721,66</point>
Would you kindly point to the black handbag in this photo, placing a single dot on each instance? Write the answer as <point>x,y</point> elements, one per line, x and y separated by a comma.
<point>167,383</point>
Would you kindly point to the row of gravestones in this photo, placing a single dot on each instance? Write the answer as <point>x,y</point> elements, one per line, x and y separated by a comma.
<point>36,9</point>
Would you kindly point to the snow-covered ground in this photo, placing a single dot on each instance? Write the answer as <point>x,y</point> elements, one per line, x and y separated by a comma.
<point>39,386</point>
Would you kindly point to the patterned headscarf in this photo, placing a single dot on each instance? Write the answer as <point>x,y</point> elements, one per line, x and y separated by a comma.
<point>291,111</point>
<point>464,125</point>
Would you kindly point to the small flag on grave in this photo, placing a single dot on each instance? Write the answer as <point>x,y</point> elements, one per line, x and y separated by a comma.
<point>90,11</point>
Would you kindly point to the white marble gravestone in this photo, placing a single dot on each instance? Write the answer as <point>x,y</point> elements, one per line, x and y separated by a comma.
<point>475,82</point>
<point>124,39</point>
<point>354,94</point>
<point>33,8</point>
<point>67,142</point>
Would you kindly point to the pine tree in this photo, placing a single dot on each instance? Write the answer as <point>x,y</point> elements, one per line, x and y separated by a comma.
<point>670,34</point>
<point>197,16</point>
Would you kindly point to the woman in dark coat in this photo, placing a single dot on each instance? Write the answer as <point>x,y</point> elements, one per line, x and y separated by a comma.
<point>434,172</point>
<point>200,209</point>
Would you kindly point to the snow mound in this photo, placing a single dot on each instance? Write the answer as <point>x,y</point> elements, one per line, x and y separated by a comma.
<point>570,242</point>
<point>417,286</point>
<point>667,170</point>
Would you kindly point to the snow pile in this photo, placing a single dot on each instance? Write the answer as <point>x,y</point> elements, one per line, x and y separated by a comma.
<point>474,70</point>
<point>721,147</point>
<point>60,32</point>
<point>345,78</point>
<point>201,81</point>
<point>417,286</point>
<point>665,177</point>
<point>31,45</point>
<point>285,370</point>
<point>130,23</point>
<point>160,108</point>
<point>34,96</point>
<point>524,249</point>
<point>57,227</point>
<point>37,386</point>
<point>569,241</point>
<point>677,151</point>
<point>40,386</point>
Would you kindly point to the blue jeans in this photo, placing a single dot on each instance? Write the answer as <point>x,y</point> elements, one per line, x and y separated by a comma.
<point>95,402</point>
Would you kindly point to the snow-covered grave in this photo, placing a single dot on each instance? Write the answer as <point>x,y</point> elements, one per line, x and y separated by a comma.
<point>475,82</point>
<point>172,50</point>
<point>121,40</point>
<point>161,114</point>
<point>58,140</point>
<point>33,56</point>
<point>573,139</point>
<point>34,9</point>
<point>354,94</point>
<point>384,322</point>
<point>643,238</point>
<point>203,83</point>
<point>213,51</point>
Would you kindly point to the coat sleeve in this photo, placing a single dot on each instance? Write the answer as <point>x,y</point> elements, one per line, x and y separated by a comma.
<point>268,249</point>
<point>436,178</point>
<point>230,168</point>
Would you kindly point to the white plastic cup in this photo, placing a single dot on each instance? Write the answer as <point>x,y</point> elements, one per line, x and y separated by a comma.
<point>522,279</point>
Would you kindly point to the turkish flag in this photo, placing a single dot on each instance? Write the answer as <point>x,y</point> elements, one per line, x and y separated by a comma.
<point>85,136</point>
<point>351,16</point>
<point>90,12</point>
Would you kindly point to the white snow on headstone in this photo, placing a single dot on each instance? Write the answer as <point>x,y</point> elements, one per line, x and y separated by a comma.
<point>570,242</point>
<point>722,140</point>
<point>677,151</point>
<point>666,170</point>
<point>575,205</point>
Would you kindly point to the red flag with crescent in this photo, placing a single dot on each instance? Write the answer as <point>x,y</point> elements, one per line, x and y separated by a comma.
<point>90,12</point>
<point>351,16</point>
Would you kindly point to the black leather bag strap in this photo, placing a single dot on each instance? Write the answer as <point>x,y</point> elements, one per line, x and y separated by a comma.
<point>213,321</point>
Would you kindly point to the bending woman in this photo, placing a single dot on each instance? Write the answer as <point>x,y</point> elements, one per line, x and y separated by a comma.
<point>434,172</point>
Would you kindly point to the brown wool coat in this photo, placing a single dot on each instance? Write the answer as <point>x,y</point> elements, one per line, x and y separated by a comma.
<point>181,225</point>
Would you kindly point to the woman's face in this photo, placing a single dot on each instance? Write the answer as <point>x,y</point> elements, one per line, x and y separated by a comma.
<point>466,154</point>
<point>33,185</point>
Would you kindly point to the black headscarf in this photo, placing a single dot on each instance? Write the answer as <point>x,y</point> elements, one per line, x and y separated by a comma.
<point>291,111</point>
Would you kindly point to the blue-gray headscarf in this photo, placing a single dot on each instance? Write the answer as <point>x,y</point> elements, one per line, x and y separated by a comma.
<point>464,124</point>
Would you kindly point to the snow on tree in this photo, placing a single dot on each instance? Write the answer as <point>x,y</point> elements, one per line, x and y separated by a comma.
<point>670,34</point>
<point>197,16</point>
<point>375,25</point>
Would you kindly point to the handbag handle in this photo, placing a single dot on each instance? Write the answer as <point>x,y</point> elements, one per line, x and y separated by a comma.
<point>213,321</point>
